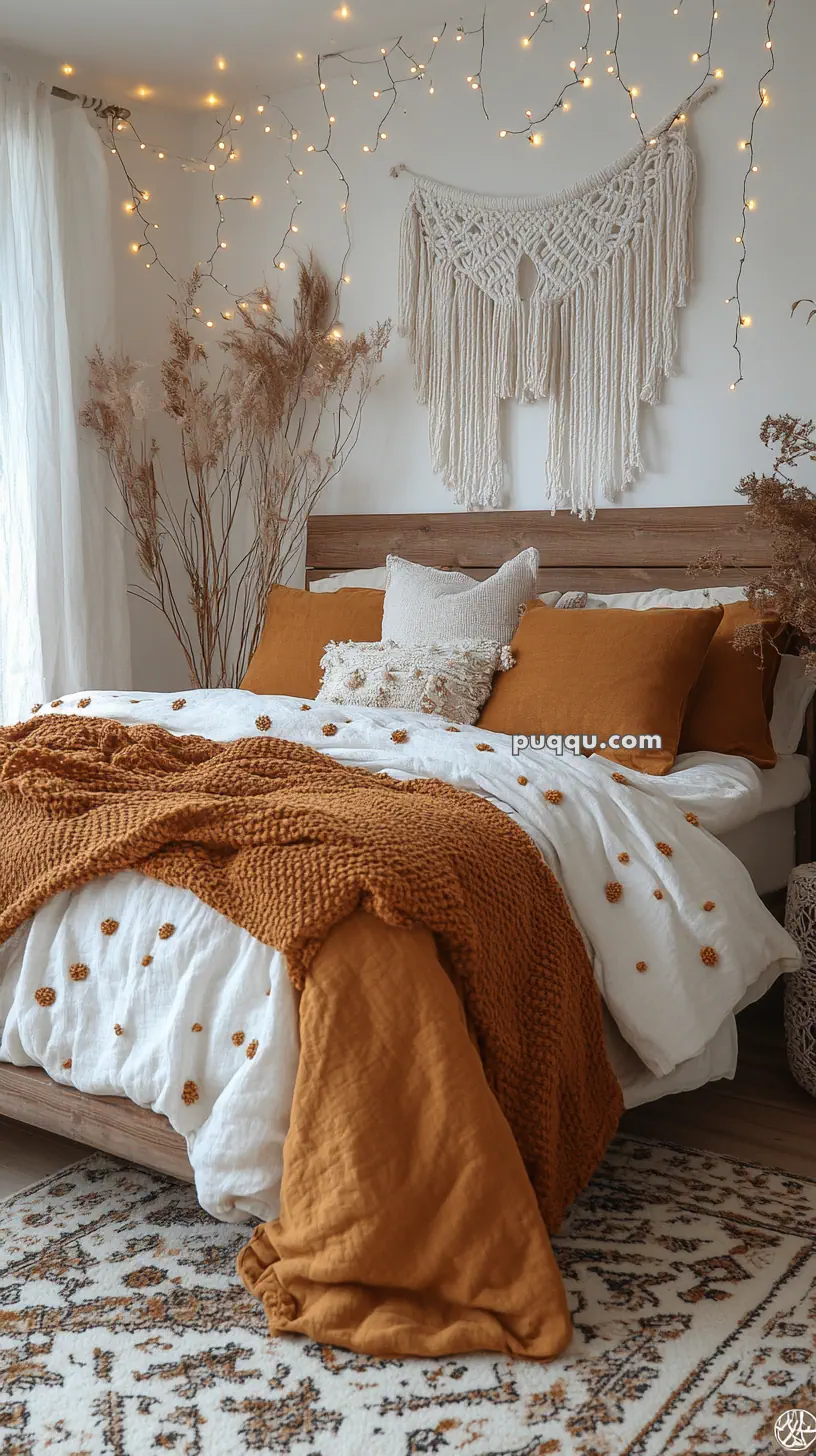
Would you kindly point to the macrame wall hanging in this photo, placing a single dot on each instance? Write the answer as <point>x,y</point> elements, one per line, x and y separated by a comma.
<point>597,335</point>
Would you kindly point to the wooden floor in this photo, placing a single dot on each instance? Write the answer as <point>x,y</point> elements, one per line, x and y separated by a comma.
<point>761,1117</point>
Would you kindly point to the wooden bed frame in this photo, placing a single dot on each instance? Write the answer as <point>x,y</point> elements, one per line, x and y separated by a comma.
<point>621,550</point>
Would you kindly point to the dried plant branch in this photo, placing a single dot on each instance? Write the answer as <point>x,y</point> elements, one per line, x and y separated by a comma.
<point>258,440</point>
<point>786,509</point>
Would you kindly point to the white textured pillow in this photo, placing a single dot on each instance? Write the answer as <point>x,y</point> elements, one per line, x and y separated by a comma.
<point>426,605</point>
<point>793,694</point>
<point>698,597</point>
<point>451,679</point>
<point>370,576</point>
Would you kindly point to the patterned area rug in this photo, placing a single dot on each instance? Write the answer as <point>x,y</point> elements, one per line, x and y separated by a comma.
<point>692,1278</point>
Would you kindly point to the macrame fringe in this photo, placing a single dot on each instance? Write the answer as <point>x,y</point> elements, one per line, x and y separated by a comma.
<point>597,347</point>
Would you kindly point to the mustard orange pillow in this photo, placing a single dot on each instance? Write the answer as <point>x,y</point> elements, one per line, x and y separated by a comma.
<point>604,673</point>
<point>297,628</point>
<point>731,703</point>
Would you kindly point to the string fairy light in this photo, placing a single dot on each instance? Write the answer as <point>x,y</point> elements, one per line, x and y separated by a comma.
<point>560,103</point>
<point>743,320</point>
<point>401,66</point>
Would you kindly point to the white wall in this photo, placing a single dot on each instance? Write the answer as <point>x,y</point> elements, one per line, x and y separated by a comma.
<point>703,437</point>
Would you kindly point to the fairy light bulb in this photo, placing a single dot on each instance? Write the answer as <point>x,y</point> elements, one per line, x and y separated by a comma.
<point>239,119</point>
<point>310,148</point>
<point>282,265</point>
<point>751,204</point>
<point>536,139</point>
<point>323,85</point>
<point>226,314</point>
<point>255,200</point>
<point>295,135</point>
<point>211,167</point>
<point>769,45</point>
<point>197,312</point>
<point>635,91</point>
<point>135,247</point>
<point>332,120</point>
<point>746,321</point>
<point>222,146</point>
<point>435,39</point>
<point>376,95</point>
<point>573,65</point>
<point>295,228</point>
<point>743,146</point>
<point>755,168</point>
<point>67,69</point>
<point>526,41</point>
<point>160,156</point>
<point>221,63</point>
<point>719,73</point>
<point>128,206</point>
<point>346,278</point>
<point>366,149</point>
<point>738,238</point>
<point>210,324</point>
<point>261,110</point>
<point>222,245</point>
<point>610,70</point>
<point>695,55</point>
<point>474,86</point>
<point>502,133</point>
<point>221,196</point>
<point>586,80</point>
<point>383,136</point>
<point>267,129</point>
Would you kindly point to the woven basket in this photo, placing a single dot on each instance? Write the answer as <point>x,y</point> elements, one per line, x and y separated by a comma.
<point>800,988</point>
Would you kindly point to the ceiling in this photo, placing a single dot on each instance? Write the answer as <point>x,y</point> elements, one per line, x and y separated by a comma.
<point>170,49</point>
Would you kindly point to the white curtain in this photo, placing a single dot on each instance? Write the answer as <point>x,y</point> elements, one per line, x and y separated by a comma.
<point>63,601</point>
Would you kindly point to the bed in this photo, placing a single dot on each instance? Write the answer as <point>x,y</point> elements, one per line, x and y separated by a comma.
<point>619,551</point>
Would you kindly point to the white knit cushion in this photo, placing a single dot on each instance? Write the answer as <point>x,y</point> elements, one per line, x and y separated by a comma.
<point>450,679</point>
<point>426,605</point>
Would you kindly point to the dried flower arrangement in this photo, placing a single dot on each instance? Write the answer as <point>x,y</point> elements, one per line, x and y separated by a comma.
<point>259,441</point>
<point>786,510</point>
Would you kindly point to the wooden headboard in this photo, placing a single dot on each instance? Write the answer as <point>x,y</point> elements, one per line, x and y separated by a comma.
<point>620,550</point>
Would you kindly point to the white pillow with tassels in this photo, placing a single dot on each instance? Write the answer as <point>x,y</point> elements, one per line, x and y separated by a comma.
<point>450,679</point>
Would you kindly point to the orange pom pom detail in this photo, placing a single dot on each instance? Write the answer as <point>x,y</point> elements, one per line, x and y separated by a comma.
<point>263,723</point>
<point>692,819</point>
<point>710,905</point>
<point>709,956</point>
<point>238,1038</point>
<point>641,966</point>
<point>179,703</point>
<point>329,730</point>
<point>553,796</point>
<point>484,748</point>
<point>251,1049</point>
<point>399,736</point>
<point>658,894</point>
<point>521,780</point>
<point>78,972</point>
<point>665,849</point>
<point>189,1094</point>
<point>45,996</point>
<point>109,927</point>
<point>621,779</point>
<point>166,930</point>
<point>614,892</point>
<point>623,858</point>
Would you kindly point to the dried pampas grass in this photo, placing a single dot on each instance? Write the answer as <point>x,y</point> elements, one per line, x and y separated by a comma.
<point>259,439</point>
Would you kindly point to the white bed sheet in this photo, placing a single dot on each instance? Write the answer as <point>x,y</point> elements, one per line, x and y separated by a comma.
<point>208,1028</point>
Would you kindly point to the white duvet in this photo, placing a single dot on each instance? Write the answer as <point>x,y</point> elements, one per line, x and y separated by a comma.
<point>206,1004</point>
